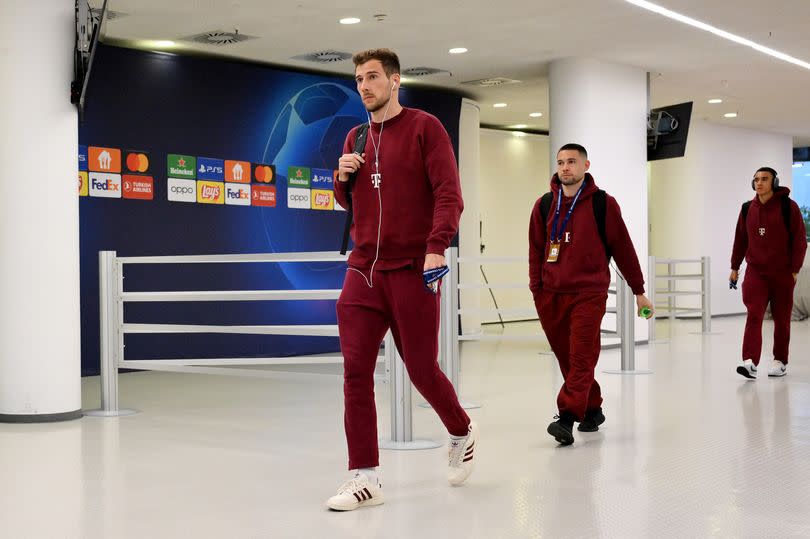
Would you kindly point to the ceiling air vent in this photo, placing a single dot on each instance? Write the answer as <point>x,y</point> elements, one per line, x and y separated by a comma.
<point>490,82</point>
<point>324,57</point>
<point>422,71</point>
<point>218,38</point>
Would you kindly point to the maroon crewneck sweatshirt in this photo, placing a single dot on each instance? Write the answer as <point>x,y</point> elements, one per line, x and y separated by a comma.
<point>419,190</point>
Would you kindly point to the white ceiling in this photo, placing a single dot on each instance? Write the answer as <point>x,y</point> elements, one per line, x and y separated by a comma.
<point>517,40</point>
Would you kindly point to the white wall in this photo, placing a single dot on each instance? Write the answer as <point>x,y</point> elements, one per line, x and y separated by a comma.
<point>514,174</point>
<point>695,200</point>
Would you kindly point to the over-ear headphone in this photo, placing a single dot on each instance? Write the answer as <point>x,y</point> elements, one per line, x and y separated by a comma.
<point>773,174</point>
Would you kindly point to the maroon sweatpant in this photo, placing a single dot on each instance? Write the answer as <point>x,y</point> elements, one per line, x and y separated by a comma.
<point>399,300</point>
<point>757,291</point>
<point>571,323</point>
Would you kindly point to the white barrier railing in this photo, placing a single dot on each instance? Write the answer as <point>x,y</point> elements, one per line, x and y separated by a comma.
<point>671,292</point>
<point>113,329</point>
<point>451,337</point>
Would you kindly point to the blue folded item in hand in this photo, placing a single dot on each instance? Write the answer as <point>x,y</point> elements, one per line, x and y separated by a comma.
<point>432,277</point>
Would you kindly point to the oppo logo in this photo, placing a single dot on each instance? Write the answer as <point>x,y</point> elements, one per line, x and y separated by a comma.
<point>299,198</point>
<point>182,190</point>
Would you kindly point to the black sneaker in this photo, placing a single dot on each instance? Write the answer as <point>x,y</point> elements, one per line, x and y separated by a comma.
<point>562,429</point>
<point>591,421</point>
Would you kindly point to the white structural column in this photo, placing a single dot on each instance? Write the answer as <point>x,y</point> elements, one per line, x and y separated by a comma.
<point>604,107</point>
<point>39,214</point>
<point>469,159</point>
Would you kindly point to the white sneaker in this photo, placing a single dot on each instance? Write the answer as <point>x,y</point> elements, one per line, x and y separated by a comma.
<point>460,457</point>
<point>747,369</point>
<point>356,492</point>
<point>777,368</point>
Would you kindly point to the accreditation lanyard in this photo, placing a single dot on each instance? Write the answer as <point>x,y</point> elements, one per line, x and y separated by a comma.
<point>556,235</point>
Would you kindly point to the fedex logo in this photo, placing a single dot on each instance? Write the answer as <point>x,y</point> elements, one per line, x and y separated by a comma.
<point>105,185</point>
<point>238,195</point>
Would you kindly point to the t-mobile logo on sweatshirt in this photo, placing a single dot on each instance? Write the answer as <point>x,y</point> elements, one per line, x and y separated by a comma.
<point>567,237</point>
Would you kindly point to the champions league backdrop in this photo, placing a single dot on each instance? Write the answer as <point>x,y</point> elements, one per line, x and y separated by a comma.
<point>185,155</point>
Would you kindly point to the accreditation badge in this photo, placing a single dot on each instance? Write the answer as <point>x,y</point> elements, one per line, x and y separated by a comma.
<point>553,252</point>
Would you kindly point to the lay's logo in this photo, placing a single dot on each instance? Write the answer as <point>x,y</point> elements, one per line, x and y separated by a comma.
<point>322,199</point>
<point>210,192</point>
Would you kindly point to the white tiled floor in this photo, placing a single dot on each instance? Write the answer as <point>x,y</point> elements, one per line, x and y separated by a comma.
<point>692,450</point>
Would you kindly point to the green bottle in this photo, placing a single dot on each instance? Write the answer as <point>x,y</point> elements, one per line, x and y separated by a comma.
<point>645,312</point>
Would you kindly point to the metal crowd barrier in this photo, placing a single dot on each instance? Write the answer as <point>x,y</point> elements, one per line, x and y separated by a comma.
<point>624,311</point>
<point>113,330</point>
<point>671,292</point>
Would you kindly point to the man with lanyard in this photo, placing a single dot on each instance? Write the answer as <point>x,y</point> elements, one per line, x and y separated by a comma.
<point>406,197</point>
<point>771,236</point>
<point>569,279</point>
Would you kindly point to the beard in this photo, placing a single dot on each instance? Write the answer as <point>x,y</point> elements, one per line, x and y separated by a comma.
<point>376,105</point>
<point>573,180</point>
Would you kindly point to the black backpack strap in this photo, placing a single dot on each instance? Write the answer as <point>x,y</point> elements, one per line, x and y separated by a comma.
<point>545,207</point>
<point>599,203</point>
<point>744,210</point>
<point>359,148</point>
<point>786,217</point>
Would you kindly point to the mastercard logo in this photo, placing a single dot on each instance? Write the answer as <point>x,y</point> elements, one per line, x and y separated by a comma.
<point>137,162</point>
<point>264,173</point>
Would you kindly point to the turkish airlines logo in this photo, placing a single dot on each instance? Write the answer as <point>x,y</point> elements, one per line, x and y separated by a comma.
<point>104,159</point>
<point>263,195</point>
<point>180,190</point>
<point>238,195</point>
<point>322,199</point>
<point>105,185</point>
<point>237,171</point>
<point>139,187</point>
<point>210,192</point>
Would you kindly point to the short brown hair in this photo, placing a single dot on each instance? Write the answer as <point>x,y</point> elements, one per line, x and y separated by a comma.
<point>387,57</point>
<point>575,147</point>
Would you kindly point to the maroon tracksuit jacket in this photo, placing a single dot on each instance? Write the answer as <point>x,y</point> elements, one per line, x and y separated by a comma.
<point>421,202</point>
<point>772,258</point>
<point>570,294</point>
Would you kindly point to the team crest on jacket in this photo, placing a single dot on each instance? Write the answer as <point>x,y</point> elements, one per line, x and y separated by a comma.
<point>762,231</point>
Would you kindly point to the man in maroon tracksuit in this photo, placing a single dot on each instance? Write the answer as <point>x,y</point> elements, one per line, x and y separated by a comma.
<point>569,279</point>
<point>772,239</point>
<point>407,203</point>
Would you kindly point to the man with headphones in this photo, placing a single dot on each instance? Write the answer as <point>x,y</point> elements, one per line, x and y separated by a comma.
<point>406,199</point>
<point>771,237</point>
